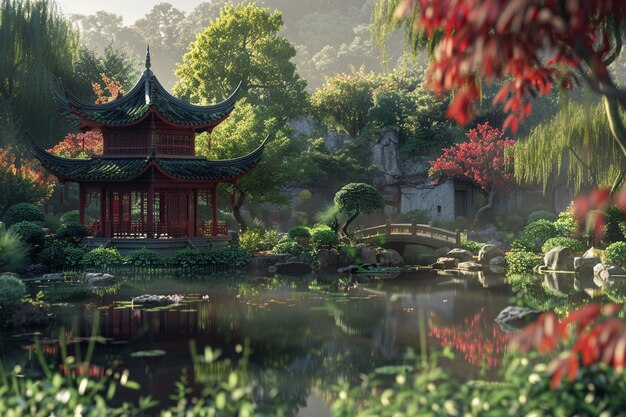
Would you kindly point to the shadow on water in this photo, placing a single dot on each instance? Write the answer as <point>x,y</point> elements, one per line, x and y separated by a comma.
<point>301,338</point>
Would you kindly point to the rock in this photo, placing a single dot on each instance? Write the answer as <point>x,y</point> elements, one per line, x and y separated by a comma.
<point>385,153</point>
<point>585,265</point>
<point>495,269</point>
<point>498,261</point>
<point>346,256</point>
<point>593,253</point>
<point>461,254</point>
<point>272,269</point>
<point>351,269</point>
<point>158,300</point>
<point>559,259</point>
<point>446,263</point>
<point>293,269</point>
<point>334,140</point>
<point>366,254</point>
<point>327,259</point>
<point>509,318</point>
<point>261,262</point>
<point>488,252</point>
<point>604,275</point>
<point>291,259</point>
<point>98,278</point>
<point>563,283</point>
<point>303,125</point>
<point>470,266</point>
<point>442,251</point>
<point>35,270</point>
<point>56,276</point>
<point>389,257</point>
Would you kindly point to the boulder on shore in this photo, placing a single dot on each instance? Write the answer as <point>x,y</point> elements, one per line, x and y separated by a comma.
<point>461,254</point>
<point>585,265</point>
<point>445,263</point>
<point>389,257</point>
<point>559,259</point>
<point>470,266</point>
<point>488,252</point>
<point>158,300</point>
<point>604,275</point>
<point>98,278</point>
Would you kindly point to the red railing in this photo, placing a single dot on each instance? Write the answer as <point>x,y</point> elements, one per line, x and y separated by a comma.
<point>207,228</point>
<point>161,230</point>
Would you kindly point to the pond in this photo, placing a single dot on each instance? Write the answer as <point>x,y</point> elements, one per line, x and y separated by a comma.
<point>301,337</point>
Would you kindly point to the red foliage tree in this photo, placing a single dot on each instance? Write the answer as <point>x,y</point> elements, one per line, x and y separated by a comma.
<point>21,182</point>
<point>79,145</point>
<point>483,160</point>
<point>534,45</point>
<point>109,90</point>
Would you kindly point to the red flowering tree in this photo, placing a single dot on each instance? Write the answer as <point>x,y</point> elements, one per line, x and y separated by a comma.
<point>533,45</point>
<point>482,159</point>
<point>23,182</point>
<point>79,145</point>
<point>109,90</point>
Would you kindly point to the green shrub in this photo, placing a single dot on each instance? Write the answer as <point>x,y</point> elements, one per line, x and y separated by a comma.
<point>226,258</point>
<point>251,241</point>
<point>71,216</point>
<point>522,262</point>
<point>72,232</point>
<point>471,245</point>
<point>539,231</point>
<point>145,258</point>
<point>29,232</point>
<point>566,224</point>
<point>613,227</point>
<point>188,258</point>
<point>418,216</point>
<point>271,237</point>
<point>101,259</point>
<point>22,212</point>
<point>513,223</point>
<point>568,242</point>
<point>615,254</point>
<point>541,215</point>
<point>13,252</point>
<point>60,255</point>
<point>522,244</point>
<point>324,239</point>
<point>300,234</point>
<point>11,292</point>
<point>289,247</point>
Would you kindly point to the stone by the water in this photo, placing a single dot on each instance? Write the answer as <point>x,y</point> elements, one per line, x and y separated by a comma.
<point>489,252</point>
<point>470,266</point>
<point>98,278</point>
<point>461,254</point>
<point>158,300</point>
<point>446,263</point>
<point>559,259</point>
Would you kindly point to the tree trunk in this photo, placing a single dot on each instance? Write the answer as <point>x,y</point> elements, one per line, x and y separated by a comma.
<point>238,198</point>
<point>344,228</point>
<point>489,204</point>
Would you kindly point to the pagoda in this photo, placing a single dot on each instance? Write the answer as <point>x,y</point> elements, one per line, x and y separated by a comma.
<point>148,183</point>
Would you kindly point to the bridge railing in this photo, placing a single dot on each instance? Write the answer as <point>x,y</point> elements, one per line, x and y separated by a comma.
<point>409,229</point>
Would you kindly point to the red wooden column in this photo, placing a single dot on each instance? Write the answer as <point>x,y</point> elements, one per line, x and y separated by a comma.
<point>82,199</point>
<point>214,204</point>
<point>190,222</point>
<point>108,229</point>
<point>103,210</point>
<point>150,213</point>
<point>195,213</point>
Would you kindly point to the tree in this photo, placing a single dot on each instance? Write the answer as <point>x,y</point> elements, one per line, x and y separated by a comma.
<point>483,159</point>
<point>24,182</point>
<point>79,145</point>
<point>38,46</point>
<point>344,100</point>
<point>535,46</point>
<point>356,198</point>
<point>243,45</point>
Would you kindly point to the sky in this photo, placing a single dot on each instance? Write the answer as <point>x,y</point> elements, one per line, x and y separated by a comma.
<point>130,10</point>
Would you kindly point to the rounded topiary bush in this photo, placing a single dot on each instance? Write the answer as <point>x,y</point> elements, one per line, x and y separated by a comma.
<point>539,231</point>
<point>102,259</point>
<point>289,248</point>
<point>29,232</point>
<point>72,232</point>
<point>514,223</point>
<point>60,255</point>
<point>541,215</point>
<point>522,262</point>
<point>188,258</point>
<point>145,258</point>
<point>615,254</point>
<point>568,242</point>
<point>11,292</point>
<point>226,258</point>
<point>22,212</point>
<point>566,225</point>
<point>324,239</point>
<point>71,216</point>
<point>300,234</point>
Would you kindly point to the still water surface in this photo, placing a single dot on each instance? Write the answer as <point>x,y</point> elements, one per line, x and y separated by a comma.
<point>301,336</point>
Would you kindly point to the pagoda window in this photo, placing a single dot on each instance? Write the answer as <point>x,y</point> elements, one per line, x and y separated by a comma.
<point>173,144</point>
<point>126,143</point>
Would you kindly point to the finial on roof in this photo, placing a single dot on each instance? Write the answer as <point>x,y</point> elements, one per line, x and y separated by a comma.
<point>148,64</point>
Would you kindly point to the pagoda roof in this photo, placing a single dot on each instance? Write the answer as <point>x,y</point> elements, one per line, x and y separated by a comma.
<point>103,168</point>
<point>147,96</point>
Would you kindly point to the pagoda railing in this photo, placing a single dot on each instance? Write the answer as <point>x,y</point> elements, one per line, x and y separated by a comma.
<point>137,229</point>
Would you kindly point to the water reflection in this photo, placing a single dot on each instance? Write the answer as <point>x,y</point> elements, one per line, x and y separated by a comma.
<point>301,340</point>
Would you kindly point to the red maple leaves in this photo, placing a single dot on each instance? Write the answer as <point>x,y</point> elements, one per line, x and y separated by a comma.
<point>79,145</point>
<point>604,342</point>
<point>483,159</point>
<point>534,45</point>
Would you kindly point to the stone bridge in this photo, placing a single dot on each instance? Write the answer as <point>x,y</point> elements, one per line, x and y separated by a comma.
<point>399,235</point>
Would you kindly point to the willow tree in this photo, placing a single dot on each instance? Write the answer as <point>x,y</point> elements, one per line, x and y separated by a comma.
<point>576,144</point>
<point>38,45</point>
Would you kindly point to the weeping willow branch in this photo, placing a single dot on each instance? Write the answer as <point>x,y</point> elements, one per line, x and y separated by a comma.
<point>577,145</point>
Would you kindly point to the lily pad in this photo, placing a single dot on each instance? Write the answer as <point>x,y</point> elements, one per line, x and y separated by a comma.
<point>148,353</point>
<point>394,369</point>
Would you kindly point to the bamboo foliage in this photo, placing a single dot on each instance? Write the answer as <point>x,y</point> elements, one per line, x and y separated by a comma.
<point>38,45</point>
<point>576,146</point>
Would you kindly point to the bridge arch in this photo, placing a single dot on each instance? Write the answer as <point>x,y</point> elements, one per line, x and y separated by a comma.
<point>402,234</point>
